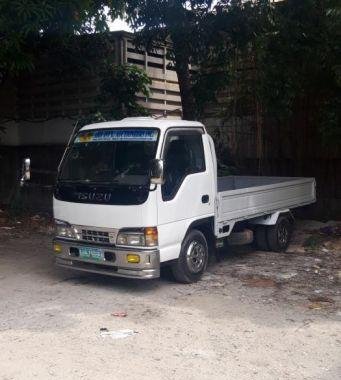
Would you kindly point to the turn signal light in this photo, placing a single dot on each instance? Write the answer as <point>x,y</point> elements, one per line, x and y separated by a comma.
<point>151,236</point>
<point>57,248</point>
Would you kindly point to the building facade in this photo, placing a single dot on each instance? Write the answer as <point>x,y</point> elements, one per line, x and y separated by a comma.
<point>41,107</point>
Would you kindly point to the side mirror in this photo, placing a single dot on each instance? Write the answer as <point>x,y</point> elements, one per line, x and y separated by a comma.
<point>25,171</point>
<point>156,172</point>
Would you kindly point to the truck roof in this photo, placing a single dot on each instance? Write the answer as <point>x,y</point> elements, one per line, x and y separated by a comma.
<point>135,122</point>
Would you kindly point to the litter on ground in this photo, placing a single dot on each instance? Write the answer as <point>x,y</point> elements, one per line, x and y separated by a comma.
<point>118,334</point>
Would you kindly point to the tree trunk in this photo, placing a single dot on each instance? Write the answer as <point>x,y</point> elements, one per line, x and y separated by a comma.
<point>182,60</point>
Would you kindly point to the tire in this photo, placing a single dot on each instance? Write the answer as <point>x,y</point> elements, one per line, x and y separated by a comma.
<point>261,238</point>
<point>193,258</point>
<point>278,236</point>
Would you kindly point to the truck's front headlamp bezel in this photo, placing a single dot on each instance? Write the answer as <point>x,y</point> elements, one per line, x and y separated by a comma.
<point>140,237</point>
<point>65,230</point>
<point>130,238</point>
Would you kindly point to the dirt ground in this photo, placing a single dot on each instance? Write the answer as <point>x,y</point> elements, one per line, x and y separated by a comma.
<point>255,315</point>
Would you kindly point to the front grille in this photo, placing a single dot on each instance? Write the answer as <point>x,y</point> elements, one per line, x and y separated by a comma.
<point>95,236</point>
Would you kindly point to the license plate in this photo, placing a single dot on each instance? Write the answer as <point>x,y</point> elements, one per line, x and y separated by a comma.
<point>90,253</point>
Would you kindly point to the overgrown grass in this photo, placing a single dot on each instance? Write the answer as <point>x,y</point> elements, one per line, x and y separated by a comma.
<point>313,242</point>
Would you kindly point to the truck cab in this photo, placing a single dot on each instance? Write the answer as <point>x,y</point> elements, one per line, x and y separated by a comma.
<point>127,194</point>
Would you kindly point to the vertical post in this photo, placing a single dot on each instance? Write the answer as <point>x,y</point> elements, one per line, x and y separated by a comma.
<point>146,66</point>
<point>164,60</point>
<point>124,50</point>
<point>165,80</point>
<point>259,124</point>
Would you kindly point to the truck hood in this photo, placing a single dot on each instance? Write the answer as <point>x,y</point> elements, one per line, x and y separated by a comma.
<point>107,216</point>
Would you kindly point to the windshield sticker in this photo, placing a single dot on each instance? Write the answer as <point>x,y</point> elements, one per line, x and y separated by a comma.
<point>117,135</point>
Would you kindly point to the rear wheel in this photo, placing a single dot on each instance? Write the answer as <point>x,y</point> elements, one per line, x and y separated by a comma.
<point>278,236</point>
<point>193,258</point>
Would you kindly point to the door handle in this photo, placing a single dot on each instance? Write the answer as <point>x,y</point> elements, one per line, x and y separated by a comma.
<point>205,198</point>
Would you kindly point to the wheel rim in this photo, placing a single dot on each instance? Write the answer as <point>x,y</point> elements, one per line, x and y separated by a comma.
<point>282,234</point>
<point>196,257</point>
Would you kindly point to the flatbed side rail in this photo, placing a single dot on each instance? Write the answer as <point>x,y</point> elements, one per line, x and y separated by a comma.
<point>251,202</point>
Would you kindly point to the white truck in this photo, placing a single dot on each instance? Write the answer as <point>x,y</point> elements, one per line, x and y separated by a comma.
<point>136,194</point>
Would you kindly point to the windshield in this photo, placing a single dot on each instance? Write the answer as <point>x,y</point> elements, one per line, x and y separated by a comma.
<point>111,156</point>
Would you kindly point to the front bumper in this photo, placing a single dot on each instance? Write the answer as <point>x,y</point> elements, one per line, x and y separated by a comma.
<point>147,268</point>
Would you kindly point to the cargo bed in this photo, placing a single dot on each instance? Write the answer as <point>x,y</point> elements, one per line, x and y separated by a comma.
<point>247,197</point>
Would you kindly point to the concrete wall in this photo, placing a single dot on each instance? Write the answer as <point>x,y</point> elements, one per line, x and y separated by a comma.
<point>51,132</point>
<point>37,195</point>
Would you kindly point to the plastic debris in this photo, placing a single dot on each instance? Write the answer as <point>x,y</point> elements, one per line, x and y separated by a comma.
<point>36,217</point>
<point>287,275</point>
<point>315,306</point>
<point>331,230</point>
<point>320,302</point>
<point>328,230</point>
<point>118,334</point>
<point>321,299</point>
<point>121,314</point>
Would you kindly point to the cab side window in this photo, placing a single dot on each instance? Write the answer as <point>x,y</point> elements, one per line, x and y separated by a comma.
<point>183,155</point>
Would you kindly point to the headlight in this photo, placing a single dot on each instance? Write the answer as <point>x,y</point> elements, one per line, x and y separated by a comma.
<point>65,230</point>
<point>131,238</point>
<point>142,237</point>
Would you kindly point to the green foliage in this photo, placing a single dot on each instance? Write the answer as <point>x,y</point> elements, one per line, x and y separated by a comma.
<point>94,117</point>
<point>84,55</point>
<point>176,21</point>
<point>93,55</point>
<point>118,89</point>
<point>119,86</point>
<point>160,19</point>
<point>299,61</point>
<point>313,242</point>
<point>330,121</point>
<point>283,55</point>
<point>206,84</point>
<point>294,46</point>
<point>298,53</point>
<point>61,34</point>
<point>24,24</point>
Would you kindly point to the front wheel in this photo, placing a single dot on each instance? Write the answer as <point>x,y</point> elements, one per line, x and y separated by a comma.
<point>193,258</point>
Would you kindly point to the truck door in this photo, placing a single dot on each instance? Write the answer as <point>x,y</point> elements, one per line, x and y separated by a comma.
<point>188,191</point>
